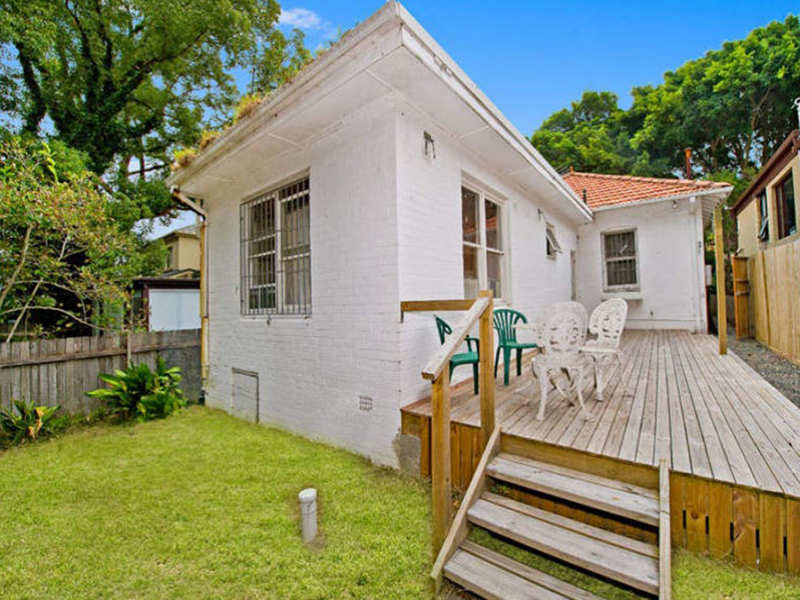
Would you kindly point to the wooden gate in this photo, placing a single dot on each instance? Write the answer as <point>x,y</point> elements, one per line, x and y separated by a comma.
<point>741,293</point>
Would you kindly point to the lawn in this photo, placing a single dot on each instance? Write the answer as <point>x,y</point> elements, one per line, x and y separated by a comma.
<point>202,505</point>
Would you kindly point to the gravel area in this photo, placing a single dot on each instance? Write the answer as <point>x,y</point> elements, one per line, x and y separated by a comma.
<point>782,373</point>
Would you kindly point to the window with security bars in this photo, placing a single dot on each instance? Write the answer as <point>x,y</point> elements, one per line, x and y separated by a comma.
<point>619,256</point>
<point>276,251</point>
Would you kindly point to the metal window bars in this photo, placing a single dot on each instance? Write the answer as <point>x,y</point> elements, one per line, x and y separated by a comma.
<point>620,258</point>
<point>275,253</point>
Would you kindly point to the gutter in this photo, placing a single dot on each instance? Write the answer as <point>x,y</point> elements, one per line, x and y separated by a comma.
<point>721,191</point>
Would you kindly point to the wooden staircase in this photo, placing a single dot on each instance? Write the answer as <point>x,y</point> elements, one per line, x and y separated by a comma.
<point>599,551</point>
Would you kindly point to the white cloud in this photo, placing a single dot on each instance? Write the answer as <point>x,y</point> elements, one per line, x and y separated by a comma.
<point>301,18</point>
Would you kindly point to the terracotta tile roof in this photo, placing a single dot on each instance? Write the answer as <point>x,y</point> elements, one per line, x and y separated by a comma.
<point>605,190</point>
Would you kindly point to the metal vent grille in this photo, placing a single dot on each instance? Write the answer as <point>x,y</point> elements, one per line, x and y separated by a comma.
<point>276,251</point>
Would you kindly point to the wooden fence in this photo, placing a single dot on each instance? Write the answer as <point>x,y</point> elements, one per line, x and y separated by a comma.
<point>61,371</point>
<point>774,298</point>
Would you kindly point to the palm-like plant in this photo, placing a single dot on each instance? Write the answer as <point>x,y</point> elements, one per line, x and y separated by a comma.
<point>141,392</point>
<point>26,423</point>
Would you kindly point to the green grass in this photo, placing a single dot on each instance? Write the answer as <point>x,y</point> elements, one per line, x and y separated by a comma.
<point>202,505</point>
<point>694,577</point>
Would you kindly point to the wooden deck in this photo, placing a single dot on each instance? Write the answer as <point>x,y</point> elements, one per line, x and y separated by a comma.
<point>711,416</point>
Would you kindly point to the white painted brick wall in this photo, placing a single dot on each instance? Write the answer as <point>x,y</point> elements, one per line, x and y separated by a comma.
<point>430,249</point>
<point>670,264</point>
<point>312,371</point>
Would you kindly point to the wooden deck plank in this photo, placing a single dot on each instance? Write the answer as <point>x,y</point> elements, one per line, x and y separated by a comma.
<point>715,416</point>
<point>678,445</point>
<point>629,348</point>
<point>757,449</point>
<point>600,557</point>
<point>612,423</point>
<point>777,452</point>
<point>698,455</point>
<point>616,434</point>
<point>725,457</point>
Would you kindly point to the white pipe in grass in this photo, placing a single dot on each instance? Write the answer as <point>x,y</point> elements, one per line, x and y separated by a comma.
<point>308,513</point>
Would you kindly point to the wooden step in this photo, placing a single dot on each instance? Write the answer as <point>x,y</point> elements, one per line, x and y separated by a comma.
<point>567,541</point>
<point>618,498</point>
<point>496,577</point>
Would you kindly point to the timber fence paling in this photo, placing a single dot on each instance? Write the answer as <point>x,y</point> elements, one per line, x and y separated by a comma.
<point>61,371</point>
<point>774,276</point>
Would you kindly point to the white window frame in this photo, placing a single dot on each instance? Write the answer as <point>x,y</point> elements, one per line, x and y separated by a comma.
<point>282,307</point>
<point>626,287</point>
<point>481,247</point>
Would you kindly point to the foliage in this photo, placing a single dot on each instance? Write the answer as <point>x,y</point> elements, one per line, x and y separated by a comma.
<point>141,392</point>
<point>25,422</point>
<point>733,107</point>
<point>594,135</point>
<point>128,82</point>
<point>246,106</point>
<point>61,251</point>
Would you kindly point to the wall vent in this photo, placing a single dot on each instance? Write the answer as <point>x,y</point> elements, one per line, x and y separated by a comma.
<point>365,403</point>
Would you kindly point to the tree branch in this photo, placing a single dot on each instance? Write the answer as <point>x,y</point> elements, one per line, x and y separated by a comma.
<point>24,254</point>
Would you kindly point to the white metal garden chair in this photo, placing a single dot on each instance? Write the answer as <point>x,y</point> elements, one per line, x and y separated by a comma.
<point>561,333</point>
<point>606,324</point>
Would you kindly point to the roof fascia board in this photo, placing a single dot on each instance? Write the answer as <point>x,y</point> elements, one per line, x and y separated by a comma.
<point>428,51</point>
<point>720,192</point>
<point>309,80</point>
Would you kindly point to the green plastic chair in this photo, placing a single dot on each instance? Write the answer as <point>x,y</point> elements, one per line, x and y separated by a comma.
<point>504,321</point>
<point>465,358</point>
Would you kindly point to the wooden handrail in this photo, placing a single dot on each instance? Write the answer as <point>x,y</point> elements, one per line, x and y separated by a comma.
<point>438,373</point>
<point>432,305</point>
<point>442,358</point>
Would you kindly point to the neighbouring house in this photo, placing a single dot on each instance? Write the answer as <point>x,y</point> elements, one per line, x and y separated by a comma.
<point>645,244</point>
<point>183,253</point>
<point>767,214</point>
<point>171,301</point>
<point>381,174</point>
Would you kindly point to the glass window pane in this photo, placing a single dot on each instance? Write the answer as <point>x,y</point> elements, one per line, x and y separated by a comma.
<point>494,272</point>
<point>494,238</point>
<point>469,215</point>
<point>621,272</point>
<point>470,272</point>
<point>619,245</point>
<point>787,199</point>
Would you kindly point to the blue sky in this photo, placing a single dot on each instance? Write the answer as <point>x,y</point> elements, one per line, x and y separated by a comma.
<point>533,58</point>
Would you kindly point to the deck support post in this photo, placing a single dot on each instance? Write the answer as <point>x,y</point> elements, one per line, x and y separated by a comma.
<point>719,254</point>
<point>440,458</point>
<point>486,368</point>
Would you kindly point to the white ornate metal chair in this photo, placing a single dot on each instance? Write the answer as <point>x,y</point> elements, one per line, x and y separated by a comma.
<point>606,324</point>
<point>562,334</point>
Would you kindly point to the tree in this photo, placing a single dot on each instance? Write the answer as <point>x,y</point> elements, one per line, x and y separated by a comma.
<point>61,253</point>
<point>126,82</point>
<point>733,106</point>
<point>593,135</point>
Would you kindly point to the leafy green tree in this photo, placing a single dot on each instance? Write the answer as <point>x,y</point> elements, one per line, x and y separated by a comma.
<point>593,135</point>
<point>126,82</point>
<point>61,253</point>
<point>733,106</point>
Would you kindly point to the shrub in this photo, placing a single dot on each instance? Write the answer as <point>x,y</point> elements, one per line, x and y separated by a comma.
<point>27,423</point>
<point>141,393</point>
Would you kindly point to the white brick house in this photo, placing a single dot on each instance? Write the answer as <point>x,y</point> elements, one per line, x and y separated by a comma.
<point>355,187</point>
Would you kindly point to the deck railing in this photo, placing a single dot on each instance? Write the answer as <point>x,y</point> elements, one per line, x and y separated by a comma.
<point>438,373</point>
